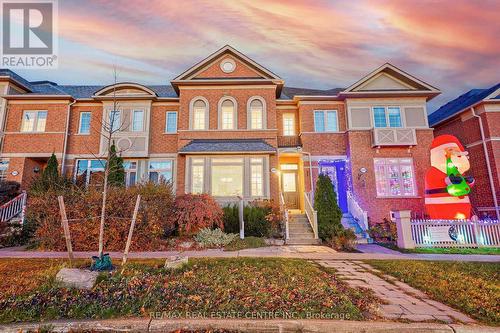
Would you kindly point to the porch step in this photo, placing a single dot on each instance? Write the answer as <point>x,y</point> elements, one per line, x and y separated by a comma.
<point>300,231</point>
<point>350,222</point>
<point>303,241</point>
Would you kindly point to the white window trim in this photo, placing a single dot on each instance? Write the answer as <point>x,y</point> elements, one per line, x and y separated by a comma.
<point>80,123</point>
<point>132,113</point>
<point>207,175</point>
<point>249,113</point>
<point>191,113</point>
<point>89,161</point>
<point>176,122</point>
<point>235,113</point>
<point>401,115</point>
<point>411,164</point>
<point>35,121</point>
<point>285,114</point>
<point>337,130</point>
<point>174,173</point>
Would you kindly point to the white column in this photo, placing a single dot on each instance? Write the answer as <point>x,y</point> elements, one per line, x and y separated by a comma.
<point>405,240</point>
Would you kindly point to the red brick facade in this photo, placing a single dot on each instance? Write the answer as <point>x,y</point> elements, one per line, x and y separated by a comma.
<point>309,147</point>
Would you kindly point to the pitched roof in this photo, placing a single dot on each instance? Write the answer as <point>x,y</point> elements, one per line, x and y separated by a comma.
<point>227,146</point>
<point>15,77</point>
<point>289,92</point>
<point>461,103</point>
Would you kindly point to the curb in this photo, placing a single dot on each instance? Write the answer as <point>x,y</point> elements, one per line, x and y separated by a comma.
<point>244,325</point>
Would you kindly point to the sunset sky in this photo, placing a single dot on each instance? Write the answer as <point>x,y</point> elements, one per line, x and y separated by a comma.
<point>452,45</point>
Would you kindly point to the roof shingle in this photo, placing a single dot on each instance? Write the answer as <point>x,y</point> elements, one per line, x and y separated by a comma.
<point>238,145</point>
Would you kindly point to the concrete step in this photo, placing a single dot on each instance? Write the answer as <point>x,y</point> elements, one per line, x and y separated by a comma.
<point>301,241</point>
<point>301,235</point>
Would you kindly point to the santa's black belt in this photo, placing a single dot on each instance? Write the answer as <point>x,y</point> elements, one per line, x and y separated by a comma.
<point>436,190</point>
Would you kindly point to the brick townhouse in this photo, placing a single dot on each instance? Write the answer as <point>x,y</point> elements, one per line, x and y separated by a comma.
<point>230,127</point>
<point>474,118</point>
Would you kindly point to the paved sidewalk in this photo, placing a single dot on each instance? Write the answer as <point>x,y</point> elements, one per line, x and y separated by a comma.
<point>403,301</point>
<point>246,325</point>
<point>292,251</point>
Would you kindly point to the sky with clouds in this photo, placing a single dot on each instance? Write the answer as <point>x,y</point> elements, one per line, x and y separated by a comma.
<point>452,45</point>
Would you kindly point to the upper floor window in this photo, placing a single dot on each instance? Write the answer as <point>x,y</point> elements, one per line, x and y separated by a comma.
<point>394,177</point>
<point>84,127</point>
<point>256,114</point>
<point>137,120</point>
<point>325,121</point>
<point>389,116</point>
<point>115,120</point>
<point>199,115</point>
<point>288,124</point>
<point>171,122</point>
<point>227,114</point>
<point>34,121</point>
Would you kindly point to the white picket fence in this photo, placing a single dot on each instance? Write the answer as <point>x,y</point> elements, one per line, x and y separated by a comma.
<point>466,233</point>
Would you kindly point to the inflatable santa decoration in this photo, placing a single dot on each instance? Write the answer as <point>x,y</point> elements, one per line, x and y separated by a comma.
<point>446,189</point>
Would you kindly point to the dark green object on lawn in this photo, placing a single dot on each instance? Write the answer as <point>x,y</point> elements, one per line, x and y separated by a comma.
<point>101,263</point>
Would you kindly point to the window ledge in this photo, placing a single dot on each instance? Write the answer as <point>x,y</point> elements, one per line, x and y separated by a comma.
<point>170,133</point>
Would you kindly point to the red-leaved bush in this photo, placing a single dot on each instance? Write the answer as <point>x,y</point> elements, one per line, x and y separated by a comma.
<point>193,212</point>
<point>83,210</point>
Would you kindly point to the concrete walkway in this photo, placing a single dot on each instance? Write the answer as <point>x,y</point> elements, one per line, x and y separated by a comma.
<point>245,325</point>
<point>402,301</point>
<point>291,251</point>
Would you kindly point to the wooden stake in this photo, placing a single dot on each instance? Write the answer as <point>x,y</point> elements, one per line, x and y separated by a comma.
<point>131,231</point>
<point>64,222</point>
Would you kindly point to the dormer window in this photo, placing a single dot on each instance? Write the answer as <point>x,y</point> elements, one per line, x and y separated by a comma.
<point>227,114</point>
<point>256,113</point>
<point>199,114</point>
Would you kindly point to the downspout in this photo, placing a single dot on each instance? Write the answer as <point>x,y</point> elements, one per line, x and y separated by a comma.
<point>65,142</point>
<point>488,165</point>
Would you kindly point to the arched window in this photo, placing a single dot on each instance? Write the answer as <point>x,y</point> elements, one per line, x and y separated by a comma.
<point>199,114</point>
<point>227,114</point>
<point>256,113</point>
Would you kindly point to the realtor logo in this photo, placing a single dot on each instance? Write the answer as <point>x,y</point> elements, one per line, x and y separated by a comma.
<point>29,33</point>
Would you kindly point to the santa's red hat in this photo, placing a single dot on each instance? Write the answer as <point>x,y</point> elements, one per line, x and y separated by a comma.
<point>446,141</point>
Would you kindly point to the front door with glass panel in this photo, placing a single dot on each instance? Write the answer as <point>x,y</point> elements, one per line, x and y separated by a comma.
<point>290,188</point>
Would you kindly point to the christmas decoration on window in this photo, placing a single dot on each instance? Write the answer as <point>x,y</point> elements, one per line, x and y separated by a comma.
<point>446,187</point>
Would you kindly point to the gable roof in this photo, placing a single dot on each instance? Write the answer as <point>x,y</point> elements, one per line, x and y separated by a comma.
<point>223,50</point>
<point>461,103</point>
<point>18,79</point>
<point>410,83</point>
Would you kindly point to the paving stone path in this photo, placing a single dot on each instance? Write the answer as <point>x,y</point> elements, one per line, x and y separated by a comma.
<point>402,301</point>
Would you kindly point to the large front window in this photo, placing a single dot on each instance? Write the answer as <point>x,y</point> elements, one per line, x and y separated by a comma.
<point>90,172</point>
<point>387,116</point>
<point>230,176</point>
<point>160,171</point>
<point>227,177</point>
<point>394,177</point>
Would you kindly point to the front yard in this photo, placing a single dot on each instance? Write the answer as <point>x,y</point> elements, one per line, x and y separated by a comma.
<point>471,287</point>
<point>239,287</point>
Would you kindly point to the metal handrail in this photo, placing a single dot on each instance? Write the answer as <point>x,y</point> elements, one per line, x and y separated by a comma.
<point>312,215</point>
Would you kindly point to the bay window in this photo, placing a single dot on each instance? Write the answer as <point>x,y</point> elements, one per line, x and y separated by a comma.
<point>137,121</point>
<point>228,177</point>
<point>115,120</point>
<point>394,177</point>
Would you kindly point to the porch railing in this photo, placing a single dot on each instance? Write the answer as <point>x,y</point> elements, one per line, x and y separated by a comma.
<point>285,212</point>
<point>356,211</point>
<point>312,215</point>
<point>13,208</point>
<point>455,233</point>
